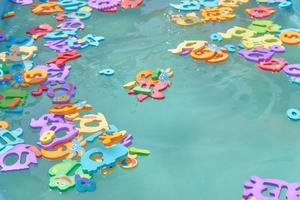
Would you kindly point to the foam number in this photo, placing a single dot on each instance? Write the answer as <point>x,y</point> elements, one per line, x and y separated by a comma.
<point>264,26</point>
<point>238,32</point>
<point>82,13</point>
<point>189,19</point>
<point>70,108</point>
<point>71,24</point>
<point>47,137</point>
<point>10,96</point>
<point>290,37</point>
<point>35,76</point>
<point>59,46</point>
<point>270,189</point>
<point>57,152</point>
<point>108,159</point>
<point>256,55</point>
<point>260,12</point>
<point>187,6</point>
<point>84,184</point>
<point>62,58</point>
<point>265,41</point>
<point>292,70</point>
<point>274,64</point>
<point>20,53</point>
<point>60,176</point>
<point>46,8</point>
<point>86,120</point>
<point>9,138</point>
<point>189,45</point>
<point>110,139</point>
<point>203,54</point>
<point>72,5</point>
<point>220,56</point>
<point>55,74</point>
<point>61,93</point>
<point>217,14</point>
<point>92,40</point>
<point>20,150</point>
<point>60,34</point>
<point>46,120</point>
<point>39,31</point>
<point>49,141</point>
<point>127,140</point>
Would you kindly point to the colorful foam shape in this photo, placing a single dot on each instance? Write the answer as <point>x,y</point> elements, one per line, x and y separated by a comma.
<point>109,157</point>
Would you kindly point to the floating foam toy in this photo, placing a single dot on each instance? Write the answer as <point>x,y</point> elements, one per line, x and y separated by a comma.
<point>260,12</point>
<point>232,3</point>
<point>46,8</point>
<point>217,14</point>
<point>189,45</point>
<point>187,5</point>
<point>189,19</point>
<point>260,188</point>
<point>264,41</point>
<point>291,37</point>
<point>274,64</point>
<point>264,26</point>
<point>238,32</point>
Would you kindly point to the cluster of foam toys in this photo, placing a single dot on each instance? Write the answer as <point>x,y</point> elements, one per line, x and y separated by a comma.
<point>110,148</point>
<point>77,8</point>
<point>201,50</point>
<point>150,83</point>
<point>210,11</point>
<point>264,189</point>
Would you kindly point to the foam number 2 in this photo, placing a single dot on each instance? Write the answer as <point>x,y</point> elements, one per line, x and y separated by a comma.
<point>109,157</point>
<point>60,177</point>
<point>20,150</point>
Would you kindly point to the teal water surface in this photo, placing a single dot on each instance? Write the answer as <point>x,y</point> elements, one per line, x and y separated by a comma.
<point>218,126</point>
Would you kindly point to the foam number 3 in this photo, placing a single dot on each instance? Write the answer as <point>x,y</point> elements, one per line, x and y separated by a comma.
<point>109,157</point>
<point>60,177</point>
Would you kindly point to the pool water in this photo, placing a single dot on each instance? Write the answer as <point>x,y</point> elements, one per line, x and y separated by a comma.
<point>218,126</point>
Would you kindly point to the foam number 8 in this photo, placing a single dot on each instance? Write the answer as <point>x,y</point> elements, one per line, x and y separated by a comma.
<point>47,137</point>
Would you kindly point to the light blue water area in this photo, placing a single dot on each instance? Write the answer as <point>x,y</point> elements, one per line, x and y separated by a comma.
<point>218,126</point>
